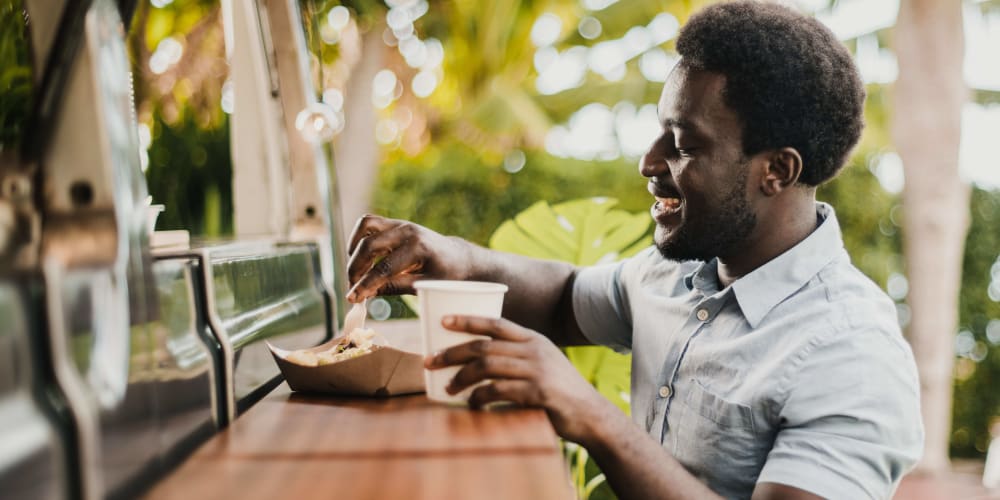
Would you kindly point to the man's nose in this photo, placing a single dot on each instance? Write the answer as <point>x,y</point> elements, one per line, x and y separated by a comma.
<point>651,165</point>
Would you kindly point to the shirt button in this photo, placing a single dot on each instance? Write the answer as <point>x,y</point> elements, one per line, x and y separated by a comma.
<point>702,314</point>
<point>665,391</point>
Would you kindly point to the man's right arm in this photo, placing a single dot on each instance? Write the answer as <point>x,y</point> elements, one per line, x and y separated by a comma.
<point>387,256</point>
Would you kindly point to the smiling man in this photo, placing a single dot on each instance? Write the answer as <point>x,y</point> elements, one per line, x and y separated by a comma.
<point>764,364</point>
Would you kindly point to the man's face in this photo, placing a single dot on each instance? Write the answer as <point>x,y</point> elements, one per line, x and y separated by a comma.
<point>697,171</point>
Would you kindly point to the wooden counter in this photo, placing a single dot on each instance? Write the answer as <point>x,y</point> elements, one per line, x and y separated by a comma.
<point>302,446</point>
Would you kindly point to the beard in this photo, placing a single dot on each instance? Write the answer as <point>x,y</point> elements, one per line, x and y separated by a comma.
<point>713,231</point>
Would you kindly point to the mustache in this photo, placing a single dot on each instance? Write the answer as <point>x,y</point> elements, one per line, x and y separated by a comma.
<point>664,189</point>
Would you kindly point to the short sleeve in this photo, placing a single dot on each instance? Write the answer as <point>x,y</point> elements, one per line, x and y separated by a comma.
<point>601,306</point>
<point>851,423</point>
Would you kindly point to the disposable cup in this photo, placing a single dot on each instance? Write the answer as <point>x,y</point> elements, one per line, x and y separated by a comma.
<point>441,298</point>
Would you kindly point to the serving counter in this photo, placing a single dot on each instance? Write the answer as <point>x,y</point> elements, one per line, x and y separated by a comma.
<point>298,446</point>
<point>292,445</point>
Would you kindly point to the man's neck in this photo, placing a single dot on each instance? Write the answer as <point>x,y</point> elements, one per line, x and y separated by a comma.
<point>774,235</point>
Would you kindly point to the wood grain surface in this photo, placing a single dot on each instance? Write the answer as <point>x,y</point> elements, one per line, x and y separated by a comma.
<point>297,425</point>
<point>304,446</point>
<point>473,477</point>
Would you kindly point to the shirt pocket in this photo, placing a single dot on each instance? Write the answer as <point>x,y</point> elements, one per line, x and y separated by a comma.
<point>717,439</point>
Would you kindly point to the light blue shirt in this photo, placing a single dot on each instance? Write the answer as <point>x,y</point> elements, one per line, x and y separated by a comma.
<point>797,373</point>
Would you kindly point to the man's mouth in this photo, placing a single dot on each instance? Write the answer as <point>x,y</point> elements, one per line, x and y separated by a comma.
<point>669,204</point>
<point>668,201</point>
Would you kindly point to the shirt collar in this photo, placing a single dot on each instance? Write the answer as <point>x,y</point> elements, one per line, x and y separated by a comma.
<point>768,285</point>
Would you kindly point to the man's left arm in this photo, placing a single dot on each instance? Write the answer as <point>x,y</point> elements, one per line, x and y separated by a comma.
<point>526,368</point>
<point>637,467</point>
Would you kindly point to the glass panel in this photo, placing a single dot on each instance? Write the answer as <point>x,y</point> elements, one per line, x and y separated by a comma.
<point>180,73</point>
<point>31,458</point>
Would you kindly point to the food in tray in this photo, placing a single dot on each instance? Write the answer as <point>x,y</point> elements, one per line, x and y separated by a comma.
<point>358,342</point>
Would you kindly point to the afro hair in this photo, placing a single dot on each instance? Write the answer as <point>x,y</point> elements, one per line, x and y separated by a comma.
<point>788,78</point>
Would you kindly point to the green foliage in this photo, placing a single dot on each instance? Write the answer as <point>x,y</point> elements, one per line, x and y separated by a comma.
<point>869,216</point>
<point>977,402</point>
<point>582,232</point>
<point>869,219</point>
<point>609,372</point>
<point>488,98</point>
<point>585,475</point>
<point>190,167</point>
<point>15,74</point>
<point>177,17</point>
<point>190,171</point>
<point>451,190</point>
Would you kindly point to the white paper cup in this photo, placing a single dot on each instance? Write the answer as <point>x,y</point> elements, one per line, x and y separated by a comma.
<point>441,298</point>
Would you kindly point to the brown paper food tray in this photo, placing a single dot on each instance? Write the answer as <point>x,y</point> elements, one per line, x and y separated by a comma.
<point>384,372</point>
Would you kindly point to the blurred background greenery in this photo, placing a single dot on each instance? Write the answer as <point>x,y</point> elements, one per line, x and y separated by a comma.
<point>462,113</point>
<point>15,77</point>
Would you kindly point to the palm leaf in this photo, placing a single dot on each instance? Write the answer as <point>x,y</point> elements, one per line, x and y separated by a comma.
<point>582,232</point>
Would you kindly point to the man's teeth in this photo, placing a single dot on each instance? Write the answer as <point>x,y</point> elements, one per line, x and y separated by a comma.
<point>670,203</point>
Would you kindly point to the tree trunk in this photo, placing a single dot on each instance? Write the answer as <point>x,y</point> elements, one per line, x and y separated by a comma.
<point>356,153</point>
<point>929,95</point>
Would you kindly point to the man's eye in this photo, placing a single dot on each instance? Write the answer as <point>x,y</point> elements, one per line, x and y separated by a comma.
<point>685,152</point>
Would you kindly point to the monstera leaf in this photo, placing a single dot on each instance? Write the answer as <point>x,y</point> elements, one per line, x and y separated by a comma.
<point>582,232</point>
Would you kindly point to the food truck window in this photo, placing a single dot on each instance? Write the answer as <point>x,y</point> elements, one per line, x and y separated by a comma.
<point>183,101</point>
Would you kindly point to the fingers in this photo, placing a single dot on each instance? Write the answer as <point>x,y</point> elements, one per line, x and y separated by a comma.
<point>497,328</point>
<point>386,256</point>
<point>380,263</point>
<point>366,226</point>
<point>394,274</point>
<point>521,392</point>
<point>396,285</point>
<point>370,248</point>
<point>492,367</point>
<point>470,351</point>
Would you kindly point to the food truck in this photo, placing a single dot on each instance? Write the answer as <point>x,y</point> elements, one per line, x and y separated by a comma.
<point>122,353</point>
<point>123,350</point>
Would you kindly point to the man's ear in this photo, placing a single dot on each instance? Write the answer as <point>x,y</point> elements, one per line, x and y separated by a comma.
<point>783,168</point>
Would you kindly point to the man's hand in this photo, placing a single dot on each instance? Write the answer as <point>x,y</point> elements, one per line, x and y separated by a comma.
<point>524,368</point>
<point>386,256</point>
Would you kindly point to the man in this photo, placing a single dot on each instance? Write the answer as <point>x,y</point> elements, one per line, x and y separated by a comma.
<point>764,364</point>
